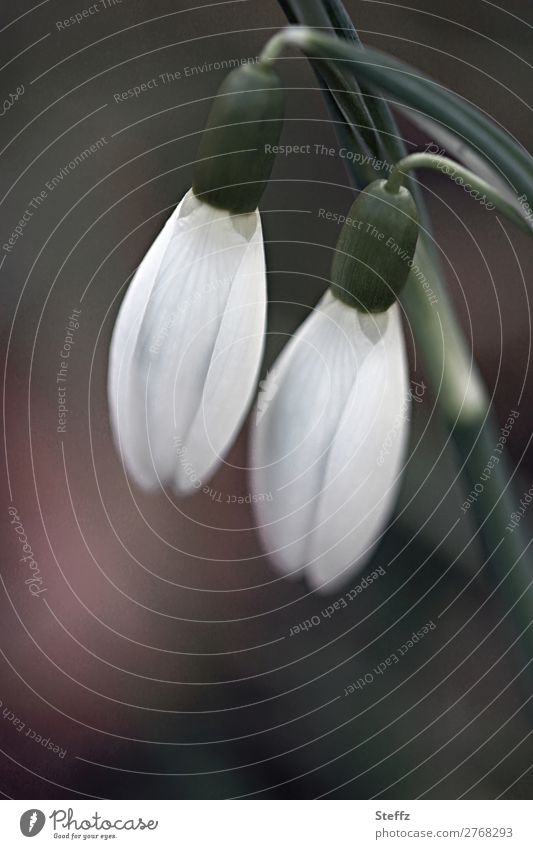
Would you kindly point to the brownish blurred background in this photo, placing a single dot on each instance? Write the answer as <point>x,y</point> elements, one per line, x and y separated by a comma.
<point>158,658</point>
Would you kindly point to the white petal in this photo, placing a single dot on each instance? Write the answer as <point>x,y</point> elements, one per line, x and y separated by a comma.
<point>329,442</point>
<point>187,345</point>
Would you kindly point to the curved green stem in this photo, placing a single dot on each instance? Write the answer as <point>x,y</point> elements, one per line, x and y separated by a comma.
<point>377,109</point>
<point>275,47</point>
<point>463,177</point>
<point>354,123</point>
<point>398,79</point>
<point>350,103</point>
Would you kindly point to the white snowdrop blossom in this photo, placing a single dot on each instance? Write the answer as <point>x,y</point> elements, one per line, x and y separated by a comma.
<point>187,346</point>
<point>339,383</point>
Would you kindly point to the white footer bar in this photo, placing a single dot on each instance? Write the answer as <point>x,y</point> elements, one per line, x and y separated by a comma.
<point>264,824</point>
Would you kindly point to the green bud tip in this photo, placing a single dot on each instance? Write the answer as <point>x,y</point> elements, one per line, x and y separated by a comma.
<point>375,249</point>
<point>235,156</point>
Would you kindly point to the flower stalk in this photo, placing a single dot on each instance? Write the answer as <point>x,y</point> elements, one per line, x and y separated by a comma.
<point>353,114</point>
<point>462,176</point>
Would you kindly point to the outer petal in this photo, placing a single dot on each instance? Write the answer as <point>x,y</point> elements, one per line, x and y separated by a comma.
<point>187,345</point>
<point>329,443</point>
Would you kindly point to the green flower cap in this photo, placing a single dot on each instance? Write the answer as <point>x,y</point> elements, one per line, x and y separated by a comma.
<point>235,156</point>
<point>376,247</point>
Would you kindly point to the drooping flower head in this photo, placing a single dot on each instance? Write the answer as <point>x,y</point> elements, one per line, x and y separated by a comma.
<point>188,341</point>
<point>322,445</point>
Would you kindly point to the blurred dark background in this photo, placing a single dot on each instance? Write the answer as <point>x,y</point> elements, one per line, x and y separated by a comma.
<point>159,660</point>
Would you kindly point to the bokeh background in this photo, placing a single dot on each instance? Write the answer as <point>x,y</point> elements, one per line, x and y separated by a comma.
<point>158,660</point>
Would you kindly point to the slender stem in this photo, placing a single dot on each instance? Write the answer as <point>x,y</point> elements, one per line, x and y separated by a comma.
<point>465,407</point>
<point>354,125</point>
<point>508,556</point>
<point>460,392</point>
<point>380,114</point>
<point>351,103</point>
<point>274,47</point>
<point>463,177</point>
<point>311,11</point>
<point>349,100</point>
<point>344,29</point>
<point>446,143</point>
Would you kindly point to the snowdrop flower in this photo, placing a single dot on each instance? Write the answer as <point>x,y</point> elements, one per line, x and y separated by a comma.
<point>334,399</point>
<point>188,341</point>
